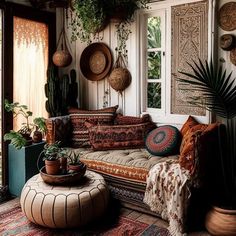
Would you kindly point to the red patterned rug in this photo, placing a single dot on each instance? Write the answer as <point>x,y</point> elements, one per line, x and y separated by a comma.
<point>13,222</point>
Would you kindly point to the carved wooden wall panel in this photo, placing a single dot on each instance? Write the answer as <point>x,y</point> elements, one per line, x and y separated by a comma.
<point>189,41</point>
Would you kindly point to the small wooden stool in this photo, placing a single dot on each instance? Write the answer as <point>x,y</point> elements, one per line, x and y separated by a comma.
<point>64,207</point>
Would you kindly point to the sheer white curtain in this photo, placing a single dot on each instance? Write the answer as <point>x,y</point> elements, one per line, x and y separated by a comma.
<point>30,66</point>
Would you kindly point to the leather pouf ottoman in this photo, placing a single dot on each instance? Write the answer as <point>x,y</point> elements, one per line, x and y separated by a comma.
<point>64,207</point>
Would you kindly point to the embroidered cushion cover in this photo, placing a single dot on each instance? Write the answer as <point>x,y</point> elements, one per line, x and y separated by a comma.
<point>80,135</point>
<point>194,143</point>
<point>163,141</point>
<point>131,120</point>
<point>105,137</point>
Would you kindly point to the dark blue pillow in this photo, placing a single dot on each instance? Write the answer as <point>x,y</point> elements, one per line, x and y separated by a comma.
<point>163,141</point>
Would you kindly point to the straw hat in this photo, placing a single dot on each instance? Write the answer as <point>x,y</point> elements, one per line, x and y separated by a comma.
<point>96,61</point>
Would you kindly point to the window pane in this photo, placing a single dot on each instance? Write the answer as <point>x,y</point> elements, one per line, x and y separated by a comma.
<point>30,66</point>
<point>154,65</point>
<point>154,95</point>
<point>154,32</point>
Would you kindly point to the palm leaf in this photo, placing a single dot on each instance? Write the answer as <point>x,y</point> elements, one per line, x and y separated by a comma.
<point>218,89</point>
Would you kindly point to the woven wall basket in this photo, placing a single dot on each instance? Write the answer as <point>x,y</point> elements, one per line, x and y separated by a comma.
<point>62,58</point>
<point>120,77</point>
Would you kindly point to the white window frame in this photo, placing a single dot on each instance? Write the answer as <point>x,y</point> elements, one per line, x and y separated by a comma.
<point>163,115</point>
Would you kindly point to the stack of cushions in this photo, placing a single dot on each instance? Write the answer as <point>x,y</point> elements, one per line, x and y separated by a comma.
<point>197,138</point>
<point>80,133</point>
<point>107,137</point>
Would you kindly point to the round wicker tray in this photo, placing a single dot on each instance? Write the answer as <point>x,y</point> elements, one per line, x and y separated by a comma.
<point>64,179</point>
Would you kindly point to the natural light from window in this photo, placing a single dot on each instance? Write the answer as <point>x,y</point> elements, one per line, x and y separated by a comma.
<point>1,96</point>
<point>30,66</point>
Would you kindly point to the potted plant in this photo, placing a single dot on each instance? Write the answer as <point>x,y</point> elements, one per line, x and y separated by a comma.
<point>89,18</point>
<point>219,93</point>
<point>74,164</point>
<point>22,137</point>
<point>40,129</point>
<point>51,156</point>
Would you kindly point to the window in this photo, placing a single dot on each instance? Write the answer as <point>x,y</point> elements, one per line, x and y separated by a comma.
<point>155,61</point>
<point>172,34</point>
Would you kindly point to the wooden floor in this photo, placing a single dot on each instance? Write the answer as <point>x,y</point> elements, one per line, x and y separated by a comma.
<point>148,219</point>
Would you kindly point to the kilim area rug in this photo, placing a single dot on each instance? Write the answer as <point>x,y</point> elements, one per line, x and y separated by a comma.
<point>13,222</point>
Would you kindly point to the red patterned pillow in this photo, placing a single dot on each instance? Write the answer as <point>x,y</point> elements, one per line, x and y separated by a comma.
<point>190,122</point>
<point>105,137</point>
<point>199,133</point>
<point>131,120</point>
<point>80,135</point>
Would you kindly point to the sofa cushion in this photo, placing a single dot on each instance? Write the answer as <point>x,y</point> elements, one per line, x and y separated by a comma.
<point>80,135</point>
<point>197,137</point>
<point>105,137</point>
<point>189,123</point>
<point>131,120</point>
<point>130,164</point>
<point>163,141</point>
<point>59,129</point>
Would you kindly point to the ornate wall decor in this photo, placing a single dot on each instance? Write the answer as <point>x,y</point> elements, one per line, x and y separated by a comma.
<point>189,42</point>
<point>227,16</point>
<point>227,42</point>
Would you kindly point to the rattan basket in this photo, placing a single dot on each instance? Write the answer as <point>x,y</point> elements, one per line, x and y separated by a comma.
<point>120,77</point>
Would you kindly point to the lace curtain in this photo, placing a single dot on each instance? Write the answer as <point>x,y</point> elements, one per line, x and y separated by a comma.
<point>30,66</point>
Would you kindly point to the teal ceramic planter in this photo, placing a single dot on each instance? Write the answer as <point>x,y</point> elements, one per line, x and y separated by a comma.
<point>22,165</point>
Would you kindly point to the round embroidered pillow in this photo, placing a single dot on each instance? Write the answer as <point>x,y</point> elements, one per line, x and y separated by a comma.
<point>163,141</point>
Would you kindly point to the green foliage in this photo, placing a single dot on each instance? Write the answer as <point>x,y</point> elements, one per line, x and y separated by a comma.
<point>17,140</point>
<point>219,92</point>
<point>91,16</point>
<point>154,95</point>
<point>154,62</point>
<point>52,151</point>
<point>74,158</point>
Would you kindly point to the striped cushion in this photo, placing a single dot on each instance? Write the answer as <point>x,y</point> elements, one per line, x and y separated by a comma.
<point>80,135</point>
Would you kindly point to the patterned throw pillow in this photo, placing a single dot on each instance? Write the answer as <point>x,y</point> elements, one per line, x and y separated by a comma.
<point>163,141</point>
<point>190,122</point>
<point>80,135</point>
<point>197,137</point>
<point>106,137</point>
<point>131,120</point>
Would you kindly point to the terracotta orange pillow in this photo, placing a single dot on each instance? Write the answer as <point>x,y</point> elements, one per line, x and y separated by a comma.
<point>131,120</point>
<point>189,123</point>
<point>197,133</point>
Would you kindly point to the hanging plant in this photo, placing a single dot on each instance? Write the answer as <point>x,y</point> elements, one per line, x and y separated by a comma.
<point>88,18</point>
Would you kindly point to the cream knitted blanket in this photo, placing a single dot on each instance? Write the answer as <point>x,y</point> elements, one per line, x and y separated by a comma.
<point>167,193</point>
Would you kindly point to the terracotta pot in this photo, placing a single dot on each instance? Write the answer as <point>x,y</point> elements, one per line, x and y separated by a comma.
<point>76,168</point>
<point>63,161</point>
<point>221,221</point>
<point>37,136</point>
<point>52,167</point>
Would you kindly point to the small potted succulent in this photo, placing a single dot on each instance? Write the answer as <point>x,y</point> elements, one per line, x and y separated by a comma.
<point>74,163</point>
<point>51,155</point>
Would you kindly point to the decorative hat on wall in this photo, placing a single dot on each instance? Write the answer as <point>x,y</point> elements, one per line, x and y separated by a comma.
<point>96,61</point>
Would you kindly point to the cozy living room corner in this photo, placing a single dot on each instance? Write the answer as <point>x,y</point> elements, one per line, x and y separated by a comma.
<point>118,117</point>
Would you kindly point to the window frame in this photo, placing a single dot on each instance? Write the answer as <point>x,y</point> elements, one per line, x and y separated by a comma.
<point>9,11</point>
<point>165,116</point>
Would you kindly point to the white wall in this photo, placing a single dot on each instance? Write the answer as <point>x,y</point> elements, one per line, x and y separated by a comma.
<point>92,93</point>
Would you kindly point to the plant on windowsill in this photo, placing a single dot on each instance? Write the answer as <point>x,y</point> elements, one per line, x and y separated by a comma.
<point>219,93</point>
<point>22,137</point>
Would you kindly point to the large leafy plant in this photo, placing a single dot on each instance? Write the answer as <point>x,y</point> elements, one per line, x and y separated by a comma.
<point>22,137</point>
<point>219,93</point>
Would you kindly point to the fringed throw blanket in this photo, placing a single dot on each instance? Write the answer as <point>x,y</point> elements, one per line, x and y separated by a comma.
<point>167,193</point>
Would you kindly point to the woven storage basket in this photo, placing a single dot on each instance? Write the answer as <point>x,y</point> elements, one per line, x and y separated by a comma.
<point>120,77</point>
<point>62,58</point>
